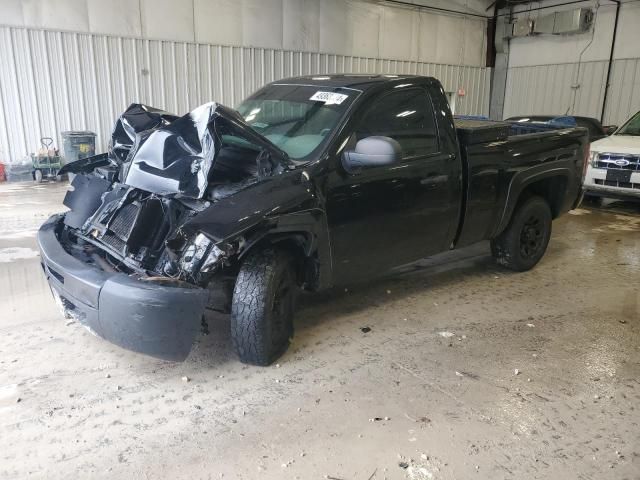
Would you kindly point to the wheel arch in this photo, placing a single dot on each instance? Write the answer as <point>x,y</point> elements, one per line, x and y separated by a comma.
<point>551,185</point>
<point>305,235</point>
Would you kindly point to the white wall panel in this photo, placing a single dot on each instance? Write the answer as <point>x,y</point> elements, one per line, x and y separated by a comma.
<point>218,22</point>
<point>547,89</point>
<point>335,33</point>
<point>115,17</point>
<point>12,12</point>
<point>367,28</point>
<point>624,93</point>
<point>56,81</point>
<point>475,41</point>
<point>398,38</point>
<point>59,14</point>
<point>427,37</point>
<point>262,23</point>
<point>167,19</point>
<point>364,27</point>
<point>301,26</point>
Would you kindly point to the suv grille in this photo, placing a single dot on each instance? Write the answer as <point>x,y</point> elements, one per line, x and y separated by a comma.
<point>613,183</point>
<point>618,161</point>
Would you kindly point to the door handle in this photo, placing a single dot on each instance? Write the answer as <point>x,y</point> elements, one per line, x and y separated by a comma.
<point>434,180</point>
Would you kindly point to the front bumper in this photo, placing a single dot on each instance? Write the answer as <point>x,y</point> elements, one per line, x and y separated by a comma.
<point>595,183</point>
<point>157,320</point>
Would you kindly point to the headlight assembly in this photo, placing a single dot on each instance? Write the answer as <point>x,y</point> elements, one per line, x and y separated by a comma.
<point>213,258</point>
<point>201,255</point>
<point>194,253</point>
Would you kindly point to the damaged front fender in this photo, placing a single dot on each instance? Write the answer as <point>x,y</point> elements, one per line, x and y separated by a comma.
<point>276,209</point>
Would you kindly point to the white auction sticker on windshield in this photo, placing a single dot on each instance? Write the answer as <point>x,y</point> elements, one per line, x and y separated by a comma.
<point>329,98</point>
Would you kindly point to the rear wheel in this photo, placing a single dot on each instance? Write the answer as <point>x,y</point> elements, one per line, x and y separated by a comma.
<point>523,243</point>
<point>263,306</point>
<point>37,176</point>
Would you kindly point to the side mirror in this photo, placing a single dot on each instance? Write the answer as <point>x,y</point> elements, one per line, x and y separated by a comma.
<point>372,152</point>
<point>609,129</point>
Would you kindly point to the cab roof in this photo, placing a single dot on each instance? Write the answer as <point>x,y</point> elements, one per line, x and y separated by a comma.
<point>347,80</point>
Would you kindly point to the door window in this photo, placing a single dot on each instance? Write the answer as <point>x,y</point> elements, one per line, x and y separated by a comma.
<point>407,117</point>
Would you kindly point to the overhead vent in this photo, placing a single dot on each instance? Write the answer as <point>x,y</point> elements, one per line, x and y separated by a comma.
<point>564,23</point>
<point>522,27</point>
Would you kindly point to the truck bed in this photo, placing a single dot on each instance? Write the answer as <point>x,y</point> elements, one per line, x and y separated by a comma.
<point>498,165</point>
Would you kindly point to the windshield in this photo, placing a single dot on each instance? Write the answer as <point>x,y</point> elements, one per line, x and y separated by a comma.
<point>632,127</point>
<point>297,118</point>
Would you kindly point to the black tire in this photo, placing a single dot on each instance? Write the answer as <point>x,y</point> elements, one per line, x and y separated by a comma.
<point>523,243</point>
<point>263,306</point>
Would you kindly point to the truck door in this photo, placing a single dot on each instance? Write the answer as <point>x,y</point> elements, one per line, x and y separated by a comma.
<point>391,215</point>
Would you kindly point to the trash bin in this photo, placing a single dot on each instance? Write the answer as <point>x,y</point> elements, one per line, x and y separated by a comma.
<point>78,145</point>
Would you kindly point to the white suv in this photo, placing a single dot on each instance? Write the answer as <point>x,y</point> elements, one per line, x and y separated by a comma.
<point>614,169</point>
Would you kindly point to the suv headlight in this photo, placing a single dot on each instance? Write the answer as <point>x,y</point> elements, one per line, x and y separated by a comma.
<point>594,159</point>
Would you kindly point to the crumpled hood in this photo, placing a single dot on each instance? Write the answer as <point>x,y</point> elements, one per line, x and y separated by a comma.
<point>168,155</point>
<point>135,119</point>
<point>617,144</point>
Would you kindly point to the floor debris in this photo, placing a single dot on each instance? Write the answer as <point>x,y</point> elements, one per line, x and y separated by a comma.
<point>365,329</point>
<point>446,334</point>
<point>378,419</point>
<point>418,419</point>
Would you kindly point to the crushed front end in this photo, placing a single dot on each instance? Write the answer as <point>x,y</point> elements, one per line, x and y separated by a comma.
<point>121,260</point>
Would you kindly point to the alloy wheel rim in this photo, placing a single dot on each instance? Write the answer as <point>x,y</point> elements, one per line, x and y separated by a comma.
<point>531,237</point>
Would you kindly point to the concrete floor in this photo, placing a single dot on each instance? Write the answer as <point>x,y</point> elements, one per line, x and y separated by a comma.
<point>468,371</point>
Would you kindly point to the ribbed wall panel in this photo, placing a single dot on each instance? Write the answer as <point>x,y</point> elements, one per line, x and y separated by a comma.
<point>55,81</point>
<point>551,89</point>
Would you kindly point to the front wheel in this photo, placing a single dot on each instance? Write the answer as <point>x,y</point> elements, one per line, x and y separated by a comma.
<point>523,243</point>
<point>263,306</point>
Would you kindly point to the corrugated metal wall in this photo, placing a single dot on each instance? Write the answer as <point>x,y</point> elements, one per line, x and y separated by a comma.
<point>54,81</point>
<point>550,89</point>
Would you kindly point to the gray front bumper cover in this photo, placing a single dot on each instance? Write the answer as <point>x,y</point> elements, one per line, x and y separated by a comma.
<point>157,320</point>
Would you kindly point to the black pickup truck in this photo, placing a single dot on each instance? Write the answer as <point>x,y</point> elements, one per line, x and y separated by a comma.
<point>313,182</point>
